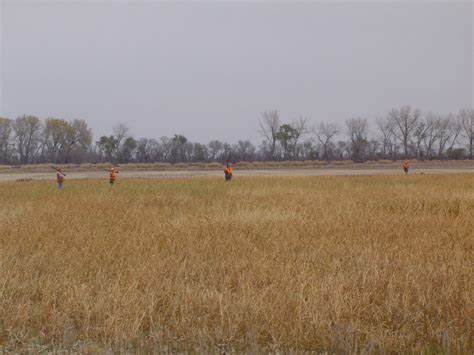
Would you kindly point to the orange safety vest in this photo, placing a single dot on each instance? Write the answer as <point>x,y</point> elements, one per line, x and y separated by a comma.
<point>113,174</point>
<point>405,164</point>
<point>228,171</point>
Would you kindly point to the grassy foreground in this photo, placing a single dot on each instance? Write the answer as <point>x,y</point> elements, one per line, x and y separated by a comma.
<point>262,264</point>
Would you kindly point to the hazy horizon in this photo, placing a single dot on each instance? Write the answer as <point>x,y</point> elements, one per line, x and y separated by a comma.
<point>208,70</point>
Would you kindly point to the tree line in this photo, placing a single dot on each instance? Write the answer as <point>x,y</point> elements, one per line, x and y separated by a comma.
<point>403,132</point>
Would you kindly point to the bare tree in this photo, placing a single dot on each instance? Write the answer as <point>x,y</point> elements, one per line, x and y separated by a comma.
<point>405,120</point>
<point>445,133</point>
<point>27,137</point>
<point>431,133</point>
<point>245,150</point>
<point>372,148</point>
<point>448,129</point>
<point>385,127</point>
<point>54,137</point>
<point>121,131</point>
<point>200,152</point>
<point>467,122</point>
<point>343,150</point>
<point>215,147</point>
<point>456,130</point>
<point>188,149</point>
<point>301,128</point>
<point>166,147</point>
<point>325,132</point>
<point>269,127</point>
<point>419,134</point>
<point>6,128</point>
<point>357,129</point>
<point>143,150</point>
<point>308,149</point>
<point>80,135</point>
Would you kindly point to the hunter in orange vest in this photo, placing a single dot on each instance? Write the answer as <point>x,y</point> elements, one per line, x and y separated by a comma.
<point>405,166</point>
<point>228,173</point>
<point>113,175</point>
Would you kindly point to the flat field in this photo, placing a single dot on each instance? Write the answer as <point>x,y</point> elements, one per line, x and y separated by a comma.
<point>282,263</point>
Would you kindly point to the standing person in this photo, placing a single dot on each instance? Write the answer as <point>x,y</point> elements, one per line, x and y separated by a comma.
<point>405,166</point>
<point>113,175</point>
<point>60,177</point>
<point>228,173</point>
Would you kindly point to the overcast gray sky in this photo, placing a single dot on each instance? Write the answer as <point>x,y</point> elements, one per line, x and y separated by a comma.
<point>209,69</point>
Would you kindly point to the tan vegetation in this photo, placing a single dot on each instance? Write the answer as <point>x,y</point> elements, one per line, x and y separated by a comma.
<point>376,263</point>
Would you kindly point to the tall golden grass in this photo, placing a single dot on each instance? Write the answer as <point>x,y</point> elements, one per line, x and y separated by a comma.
<point>351,264</point>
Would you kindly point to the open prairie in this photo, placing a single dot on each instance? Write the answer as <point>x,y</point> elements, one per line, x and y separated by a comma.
<point>264,263</point>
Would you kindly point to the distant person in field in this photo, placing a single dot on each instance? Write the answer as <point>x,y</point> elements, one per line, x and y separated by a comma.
<point>406,166</point>
<point>228,173</point>
<point>60,177</point>
<point>113,175</point>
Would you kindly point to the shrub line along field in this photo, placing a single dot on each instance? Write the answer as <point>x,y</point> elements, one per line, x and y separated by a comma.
<point>371,264</point>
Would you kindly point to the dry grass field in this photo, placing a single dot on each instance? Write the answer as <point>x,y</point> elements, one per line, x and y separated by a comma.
<point>338,264</point>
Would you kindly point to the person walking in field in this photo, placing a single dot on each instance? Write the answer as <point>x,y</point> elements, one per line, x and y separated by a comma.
<point>228,173</point>
<point>113,175</point>
<point>60,177</point>
<point>405,166</point>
